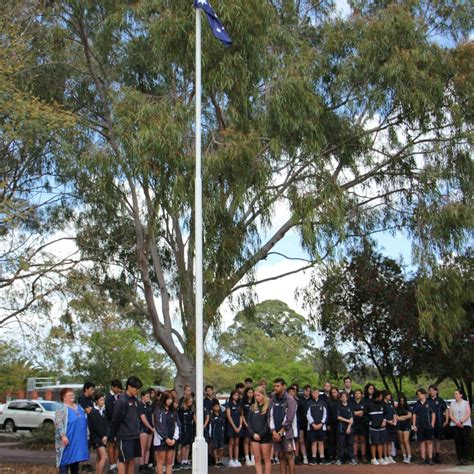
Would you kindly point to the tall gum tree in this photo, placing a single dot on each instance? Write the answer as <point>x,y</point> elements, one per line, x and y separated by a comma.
<point>353,123</point>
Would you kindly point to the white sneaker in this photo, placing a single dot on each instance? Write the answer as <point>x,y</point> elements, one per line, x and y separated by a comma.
<point>392,461</point>
<point>305,459</point>
<point>382,462</point>
<point>237,463</point>
<point>408,459</point>
<point>231,463</point>
<point>375,462</point>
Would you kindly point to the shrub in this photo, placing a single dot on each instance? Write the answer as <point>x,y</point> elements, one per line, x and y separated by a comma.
<point>41,437</point>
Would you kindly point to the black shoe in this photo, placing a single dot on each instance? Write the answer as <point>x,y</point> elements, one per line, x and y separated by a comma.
<point>298,461</point>
<point>312,461</point>
<point>431,462</point>
<point>421,462</point>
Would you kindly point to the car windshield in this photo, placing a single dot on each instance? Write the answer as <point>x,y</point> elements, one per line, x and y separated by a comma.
<point>50,406</point>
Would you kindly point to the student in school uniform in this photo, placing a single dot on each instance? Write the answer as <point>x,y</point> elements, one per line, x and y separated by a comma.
<point>369,391</point>
<point>375,412</point>
<point>391,418</point>
<point>234,427</point>
<point>348,389</point>
<point>345,437</point>
<point>248,382</point>
<point>99,432</point>
<point>326,392</point>
<point>145,414</point>
<point>404,427</point>
<point>259,431</point>
<point>167,432</point>
<point>209,400</point>
<point>247,401</point>
<point>283,425</point>
<point>440,409</point>
<point>111,398</point>
<point>316,417</point>
<point>423,425</point>
<point>359,427</point>
<point>332,404</point>
<point>217,433</point>
<point>186,420</point>
<point>303,403</point>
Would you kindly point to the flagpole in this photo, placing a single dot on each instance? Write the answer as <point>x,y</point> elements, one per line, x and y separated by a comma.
<point>199,445</point>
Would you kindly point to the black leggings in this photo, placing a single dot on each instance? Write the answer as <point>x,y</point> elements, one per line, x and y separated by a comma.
<point>461,440</point>
<point>72,468</point>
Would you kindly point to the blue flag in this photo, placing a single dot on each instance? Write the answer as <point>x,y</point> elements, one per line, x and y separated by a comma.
<point>217,27</point>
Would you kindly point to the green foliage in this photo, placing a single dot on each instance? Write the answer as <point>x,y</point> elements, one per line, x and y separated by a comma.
<point>39,438</point>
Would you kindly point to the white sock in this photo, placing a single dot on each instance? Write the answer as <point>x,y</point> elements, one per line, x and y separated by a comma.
<point>305,457</point>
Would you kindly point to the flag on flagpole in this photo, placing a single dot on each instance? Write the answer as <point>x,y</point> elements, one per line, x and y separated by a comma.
<point>217,27</point>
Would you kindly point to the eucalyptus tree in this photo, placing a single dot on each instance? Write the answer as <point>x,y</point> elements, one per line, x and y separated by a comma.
<point>356,124</point>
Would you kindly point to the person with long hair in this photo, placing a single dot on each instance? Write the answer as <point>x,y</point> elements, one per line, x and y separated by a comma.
<point>71,434</point>
<point>332,403</point>
<point>234,427</point>
<point>98,432</point>
<point>391,418</point>
<point>404,427</point>
<point>216,433</point>
<point>369,391</point>
<point>166,423</point>
<point>186,419</point>
<point>259,431</point>
<point>460,416</point>
<point>247,401</point>
<point>360,426</point>
<point>145,413</point>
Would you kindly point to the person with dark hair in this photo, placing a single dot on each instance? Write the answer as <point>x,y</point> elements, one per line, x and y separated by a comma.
<point>348,388</point>
<point>345,439</point>
<point>391,430</point>
<point>303,403</point>
<point>247,400</point>
<point>283,425</point>
<point>259,431</point>
<point>332,404</point>
<point>125,427</point>
<point>186,420</point>
<point>461,423</point>
<point>217,433</point>
<point>240,387</point>
<point>209,401</point>
<point>86,400</point>
<point>423,425</point>
<point>71,434</point>
<point>234,427</point>
<point>359,426</point>
<point>316,417</point>
<point>99,432</point>
<point>112,448</point>
<point>375,412</point>
<point>369,391</point>
<point>440,409</point>
<point>404,427</point>
<point>145,414</point>
<point>167,432</point>
<point>248,382</point>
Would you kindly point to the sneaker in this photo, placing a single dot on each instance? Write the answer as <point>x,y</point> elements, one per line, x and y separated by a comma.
<point>421,461</point>
<point>305,460</point>
<point>277,460</point>
<point>237,463</point>
<point>219,464</point>
<point>382,462</point>
<point>325,462</point>
<point>312,461</point>
<point>431,462</point>
<point>273,461</point>
<point>338,462</point>
<point>392,461</point>
<point>231,463</point>
<point>353,462</point>
<point>375,462</point>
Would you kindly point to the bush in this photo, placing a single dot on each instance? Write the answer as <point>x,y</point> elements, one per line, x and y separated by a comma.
<point>41,437</point>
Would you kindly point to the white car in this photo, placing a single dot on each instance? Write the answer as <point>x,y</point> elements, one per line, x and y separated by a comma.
<point>27,414</point>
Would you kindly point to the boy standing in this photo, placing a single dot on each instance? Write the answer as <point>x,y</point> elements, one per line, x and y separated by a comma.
<point>440,409</point>
<point>423,425</point>
<point>345,420</point>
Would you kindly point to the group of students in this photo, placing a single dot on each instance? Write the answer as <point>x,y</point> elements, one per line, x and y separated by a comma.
<point>282,426</point>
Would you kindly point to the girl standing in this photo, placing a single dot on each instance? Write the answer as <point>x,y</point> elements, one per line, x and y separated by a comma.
<point>247,401</point>
<point>145,413</point>
<point>186,418</point>
<point>234,427</point>
<point>98,431</point>
<point>404,426</point>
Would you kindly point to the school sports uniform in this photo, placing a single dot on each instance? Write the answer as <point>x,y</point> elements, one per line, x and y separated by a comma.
<point>167,426</point>
<point>345,441</point>
<point>317,414</point>
<point>258,424</point>
<point>187,426</point>
<point>98,427</point>
<point>147,410</point>
<point>283,417</point>
<point>359,427</point>
<point>235,411</point>
<point>391,429</point>
<point>375,412</point>
<point>424,428</point>
<point>216,430</point>
<point>403,425</point>
<point>439,407</point>
<point>125,427</point>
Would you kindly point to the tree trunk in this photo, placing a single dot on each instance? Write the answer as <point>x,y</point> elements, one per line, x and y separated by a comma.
<point>185,375</point>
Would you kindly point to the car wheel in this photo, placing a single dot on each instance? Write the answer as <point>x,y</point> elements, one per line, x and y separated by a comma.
<point>9,426</point>
<point>48,422</point>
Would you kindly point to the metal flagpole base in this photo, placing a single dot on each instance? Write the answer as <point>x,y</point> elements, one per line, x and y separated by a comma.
<point>199,456</point>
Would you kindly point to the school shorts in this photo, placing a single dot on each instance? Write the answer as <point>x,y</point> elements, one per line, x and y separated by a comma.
<point>391,436</point>
<point>98,444</point>
<point>377,436</point>
<point>404,425</point>
<point>359,429</point>
<point>318,435</point>
<point>438,432</point>
<point>186,439</point>
<point>424,434</point>
<point>129,449</point>
<point>217,443</point>
<point>284,446</point>
<point>164,447</point>
<point>265,439</point>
